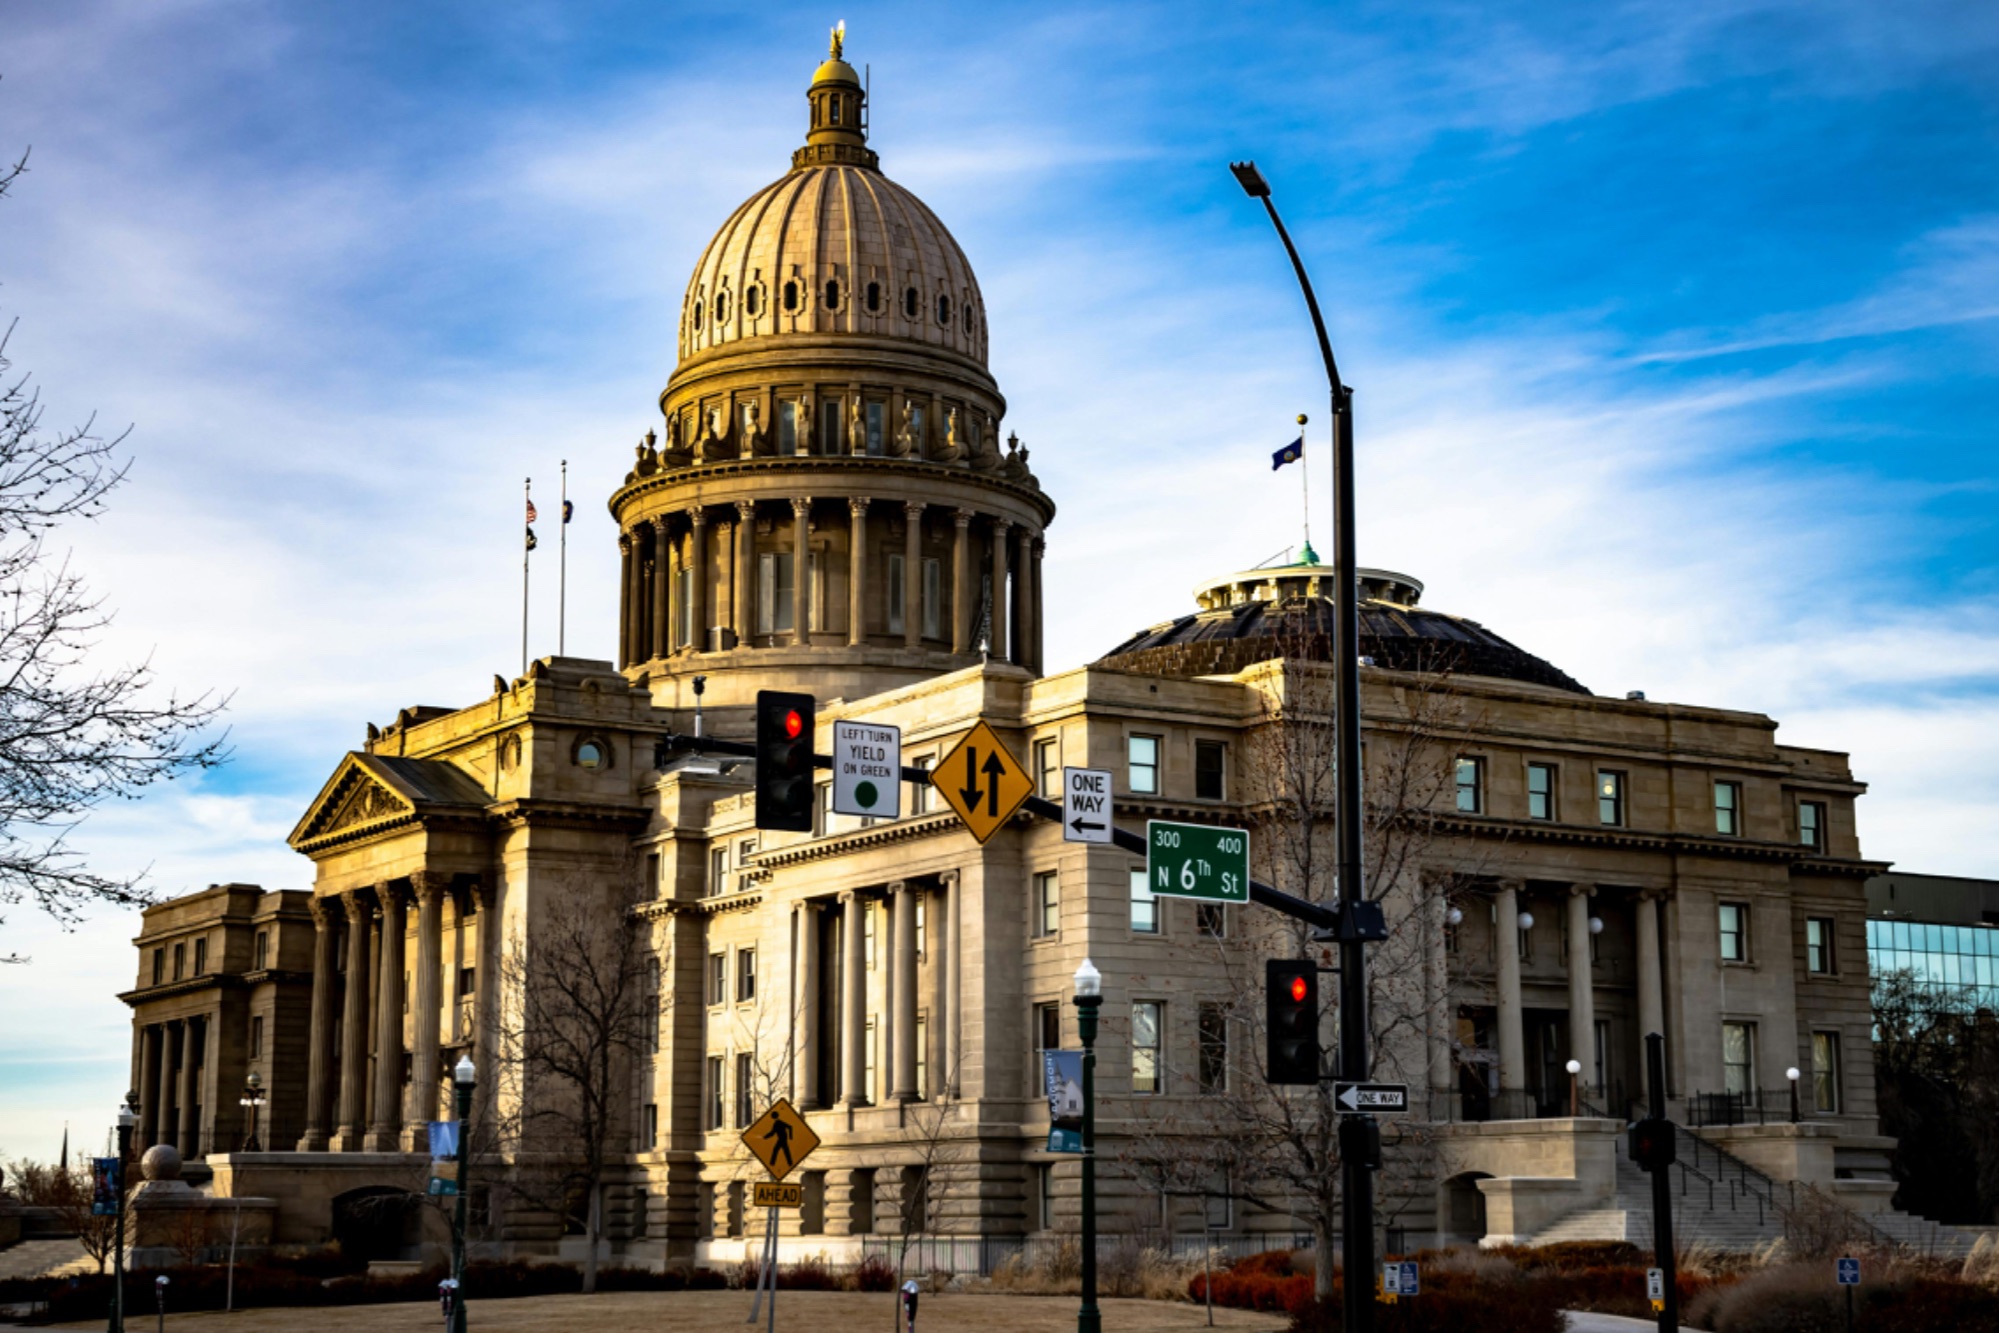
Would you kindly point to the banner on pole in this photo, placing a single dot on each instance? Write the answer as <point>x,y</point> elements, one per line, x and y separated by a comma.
<point>443,1158</point>
<point>107,1181</point>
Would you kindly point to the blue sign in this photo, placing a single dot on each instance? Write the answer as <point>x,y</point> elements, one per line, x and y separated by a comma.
<point>1065,1140</point>
<point>1409,1279</point>
<point>107,1186</point>
<point>1849,1272</point>
<point>1062,1075</point>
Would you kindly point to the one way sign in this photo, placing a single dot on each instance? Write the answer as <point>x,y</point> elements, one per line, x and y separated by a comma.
<point>1385,1098</point>
<point>1086,805</point>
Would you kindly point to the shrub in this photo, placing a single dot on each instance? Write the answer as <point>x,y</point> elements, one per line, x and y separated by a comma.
<point>808,1274</point>
<point>1269,1281</point>
<point>1802,1298</point>
<point>874,1273</point>
<point>1451,1305</point>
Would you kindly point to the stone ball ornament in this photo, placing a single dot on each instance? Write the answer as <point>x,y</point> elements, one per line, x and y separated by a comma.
<point>161,1162</point>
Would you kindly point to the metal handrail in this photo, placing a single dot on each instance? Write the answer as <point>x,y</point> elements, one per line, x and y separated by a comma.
<point>1751,1181</point>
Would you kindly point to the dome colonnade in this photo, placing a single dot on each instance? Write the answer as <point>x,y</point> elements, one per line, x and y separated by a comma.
<point>832,498</point>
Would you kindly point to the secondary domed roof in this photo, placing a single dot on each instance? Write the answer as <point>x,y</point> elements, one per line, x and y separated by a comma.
<point>1288,611</point>
<point>834,247</point>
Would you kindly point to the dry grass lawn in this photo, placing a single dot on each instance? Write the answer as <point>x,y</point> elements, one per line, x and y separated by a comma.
<point>717,1312</point>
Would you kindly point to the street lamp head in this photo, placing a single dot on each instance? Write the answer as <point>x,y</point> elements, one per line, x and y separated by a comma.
<point>1526,921</point>
<point>1574,1066</point>
<point>1596,925</point>
<point>1252,181</point>
<point>1089,981</point>
<point>125,1117</point>
<point>256,1081</point>
<point>1455,916</point>
<point>1792,1073</point>
<point>463,1073</point>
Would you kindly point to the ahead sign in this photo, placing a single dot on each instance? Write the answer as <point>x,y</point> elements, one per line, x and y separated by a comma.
<point>867,769</point>
<point>1387,1098</point>
<point>1086,805</point>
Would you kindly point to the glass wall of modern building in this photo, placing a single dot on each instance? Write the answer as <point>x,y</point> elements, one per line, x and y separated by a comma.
<point>1943,930</point>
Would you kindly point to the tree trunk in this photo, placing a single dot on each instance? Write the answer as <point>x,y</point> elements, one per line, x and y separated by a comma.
<point>1322,1282</point>
<point>595,1234</point>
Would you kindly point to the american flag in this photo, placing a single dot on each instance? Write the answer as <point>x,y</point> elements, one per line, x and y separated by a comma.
<point>531,513</point>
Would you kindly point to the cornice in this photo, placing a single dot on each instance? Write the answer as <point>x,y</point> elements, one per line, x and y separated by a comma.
<point>173,990</point>
<point>531,812</point>
<point>881,835</point>
<point>850,470</point>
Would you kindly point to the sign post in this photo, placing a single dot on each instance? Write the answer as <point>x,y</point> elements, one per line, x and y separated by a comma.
<point>982,781</point>
<point>780,1139</point>
<point>1847,1272</point>
<point>1086,805</point>
<point>867,770</point>
<point>1197,861</point>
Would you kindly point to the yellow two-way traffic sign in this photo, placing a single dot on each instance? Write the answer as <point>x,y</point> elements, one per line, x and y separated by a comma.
<point>982,781</point>
<point>780,1139</point>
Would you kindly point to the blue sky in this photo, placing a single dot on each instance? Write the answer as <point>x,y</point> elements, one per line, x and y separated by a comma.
<point>1672,327</point>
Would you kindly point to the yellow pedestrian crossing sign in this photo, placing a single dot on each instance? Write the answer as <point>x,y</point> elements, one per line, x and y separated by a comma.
<point>982,781</point>
<point>780,1139</point>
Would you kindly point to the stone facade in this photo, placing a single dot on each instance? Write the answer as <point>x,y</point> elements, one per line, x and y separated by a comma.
<point>830,510</point>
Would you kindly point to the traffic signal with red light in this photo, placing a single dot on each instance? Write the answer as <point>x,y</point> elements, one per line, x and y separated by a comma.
<point>1291,1020</point>
<point>784,760</point>
<point>1651,1144</point>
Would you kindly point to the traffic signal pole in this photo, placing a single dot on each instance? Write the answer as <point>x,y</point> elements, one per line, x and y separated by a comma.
<point>1662,1190</point>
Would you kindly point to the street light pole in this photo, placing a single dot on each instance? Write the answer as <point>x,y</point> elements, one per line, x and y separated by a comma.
<point>463,1078</point>
<point>127,1118</point>
<point>1357,1184</point>
<point>252,1099</point>
<point>1089,998</point>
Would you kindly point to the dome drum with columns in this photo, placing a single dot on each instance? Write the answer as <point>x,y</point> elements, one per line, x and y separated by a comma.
<point>832,496</point>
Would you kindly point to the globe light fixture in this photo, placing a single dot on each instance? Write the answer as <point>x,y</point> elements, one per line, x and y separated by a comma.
<point>1526,921</point>
<point>1088,981</point>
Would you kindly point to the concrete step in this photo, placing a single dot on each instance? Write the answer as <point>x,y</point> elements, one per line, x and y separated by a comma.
<point>45,1258</point>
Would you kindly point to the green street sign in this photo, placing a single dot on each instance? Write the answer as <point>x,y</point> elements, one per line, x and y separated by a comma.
<point>1197,861</point>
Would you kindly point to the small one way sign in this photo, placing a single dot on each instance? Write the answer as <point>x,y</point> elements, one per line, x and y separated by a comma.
<point>1086,805</point>
<point>982,781</point>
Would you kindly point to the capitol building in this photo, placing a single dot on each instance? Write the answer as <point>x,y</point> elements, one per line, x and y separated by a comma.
<point>832,502</point>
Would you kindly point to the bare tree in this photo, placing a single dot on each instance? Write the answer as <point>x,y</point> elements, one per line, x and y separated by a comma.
<point>579,1004</point>
<point>70,1194</point>
<point>931,1144</point>
<point>72,733</point>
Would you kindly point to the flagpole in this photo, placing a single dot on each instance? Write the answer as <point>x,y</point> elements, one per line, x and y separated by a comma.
<point>562,577</point>
<point>1305,479</point>
<point>527,491</point>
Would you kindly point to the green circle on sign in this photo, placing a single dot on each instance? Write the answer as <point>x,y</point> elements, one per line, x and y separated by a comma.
<point>865,793</point>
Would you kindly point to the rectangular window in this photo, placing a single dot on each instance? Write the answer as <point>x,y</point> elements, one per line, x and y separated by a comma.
<point>870,1064</point>
<point>1540,791</point>
<point>1728,809</point>
<point>1044,1194</point>
<point>1610,798</point>
<point>1811,825</point>
<point>1471,786</point>
<point>1211,920</point>
<point>922,1055</point>
<point>655,1009</point>
<point>1144,907</point>
<point>774,593</point>
<point>922,926</point>
<point>919,792</point>
<point>1142,764</point>
<point>718,870</point>
<point>868,934</point>
<point>746,975</point>
<point>745,849</point>
<point>875,411</point>
<point>256,1036</point>
<point>1214,1038</point>
<point>1145,1029</point>
<point>180,961</point>
<point>649,1126</point>
<point>1048,767</point>
<point>1738,1064</point>
<point>1047,904</point>
<point>683,608</point>
<point>895,590</point>
<point>468,982</point>
<point>831,439</point>
<point>787,426</point>
<point>822,810</point>
<point>1825,1072</point>
<point>717,1093</point>
<point>652,885</point>
<point>718,978</point>
<point>746,1083</point>
<point>1210,770</point>
<point>933,598</point>
<point>201,958</point>
<point>1734,932</point>
<point>1818,945</point>
<point>263,950</point>
<point>159,966</point>
<point>1047,1037</point>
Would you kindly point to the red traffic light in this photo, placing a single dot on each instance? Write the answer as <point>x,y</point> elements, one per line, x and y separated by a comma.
<point>793,724</point>
<point>1298,989</point>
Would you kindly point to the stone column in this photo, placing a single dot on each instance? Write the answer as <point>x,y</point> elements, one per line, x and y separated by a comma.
<point>626,556</point>
<point>147,1083</point>
<point>697,559</point>
<point>1038,608</point>
<point>1651,991</point>
<point>1582,993</point>
<point>857,564</point>
<point>962,610</point>
<point>185,1128</point>
<point>805,1059</point>
<point>904,1083</point>
<point>853,1002</point>
<point>428,886</point>
<point>662,580</point>
<point>319,1042</point>
<point>801,571</point>
<point>485,985</point>
<point>354,1030</point>
<point>385,1129</point>
<point>912,575</point>
<point>951,1013</point>
<point>745,614</point>
<point>642,593</point>
<point>1023,604</point>
<point>1506,951</point>
<point>881,1088</point>
<point>160,1094</point>
<point>1001,529</point>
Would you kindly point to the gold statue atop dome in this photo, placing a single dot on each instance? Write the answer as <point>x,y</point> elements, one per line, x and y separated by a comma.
<point>839,39</point>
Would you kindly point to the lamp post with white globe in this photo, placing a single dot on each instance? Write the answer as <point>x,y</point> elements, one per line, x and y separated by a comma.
<point>463,1078</point>
<point>1575,1068</point>
<point>1089,998</point>
<point>1792,1075</point>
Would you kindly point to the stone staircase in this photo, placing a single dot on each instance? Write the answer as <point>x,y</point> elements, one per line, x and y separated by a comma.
<point>45,1258</point>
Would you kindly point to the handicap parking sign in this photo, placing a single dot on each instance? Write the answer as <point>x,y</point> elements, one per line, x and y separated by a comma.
<point>1849,1272</point>
<point>1409,1278</point>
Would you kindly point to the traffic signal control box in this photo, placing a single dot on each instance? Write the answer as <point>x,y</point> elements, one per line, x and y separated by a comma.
<point>1291,1020</point>
<point>784,760</point>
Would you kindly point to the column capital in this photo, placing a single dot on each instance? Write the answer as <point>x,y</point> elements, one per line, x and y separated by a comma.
<point>697,515</point>
<point>895,888</point>
<point>948,878</point>
<point>322,911</point>
<point>964,517</point>
<point>1582,890</point>
<point>660,523</point>
<point>1654,894</point>
<point>746,510</point>
<point>1040,545</point>
<point>847,896</point>
<point>1001,526</point>
<point>1513,886</point>
<point>913,509</point>
<point>359,910</point>
<point>857,505</point>
<point>625,542</point>
<point>428,884</point>
<point>801,506</point>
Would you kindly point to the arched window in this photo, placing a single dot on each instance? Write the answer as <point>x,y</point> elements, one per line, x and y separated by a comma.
<point>722,307</point>
<point>910,301</point>
<point>791,296</point>
<point>753,301</point>
<point>832,293</point>
<point>968,317</point>
<point>874,297</point>
<point>834,103</point>
<point>697,314</point>
<point>944,310</point>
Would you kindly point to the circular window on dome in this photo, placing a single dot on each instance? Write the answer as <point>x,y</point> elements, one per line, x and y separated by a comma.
<point>874,298</point>
<point>911,303</point>
<point>722,308</point>
<point>593,753</point>
<point>944,310</point>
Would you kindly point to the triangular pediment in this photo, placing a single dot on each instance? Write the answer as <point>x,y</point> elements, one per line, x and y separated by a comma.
<point>351,799</point>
